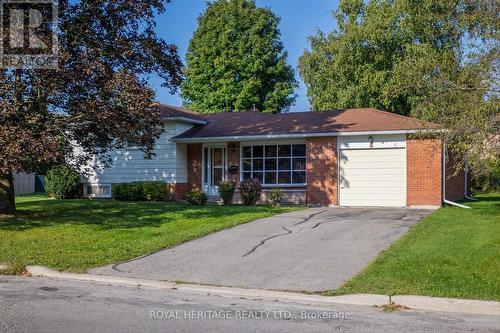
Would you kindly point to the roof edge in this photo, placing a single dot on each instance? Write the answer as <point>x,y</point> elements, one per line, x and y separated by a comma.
<point>186,120</point>
<point>296,135</point>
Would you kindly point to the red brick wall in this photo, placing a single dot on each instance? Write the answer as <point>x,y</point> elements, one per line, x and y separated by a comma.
<point>455,181</point>
<point>177,191</point>
<point>322,171</point>
<point>233,160</point>
<point>423,168</point>
<point>194,156</point>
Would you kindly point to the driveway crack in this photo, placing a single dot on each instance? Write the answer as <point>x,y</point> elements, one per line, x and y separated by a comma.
<point>288,231</point>
<point>309,217</point>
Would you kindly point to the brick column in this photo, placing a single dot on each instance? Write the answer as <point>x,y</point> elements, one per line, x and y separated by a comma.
<point>423,171</point>
<point>194,156</point>
<point>322,178</point>
<point>233,162</point>
<point>177,191</point>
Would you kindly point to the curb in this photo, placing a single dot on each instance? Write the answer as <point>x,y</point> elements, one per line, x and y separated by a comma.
<point>442,304</point>
<point>424,303</point>
<point>41,271</point>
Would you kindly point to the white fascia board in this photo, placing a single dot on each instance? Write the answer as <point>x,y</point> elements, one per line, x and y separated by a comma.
<point>293,135</point>
<point>186,120</point>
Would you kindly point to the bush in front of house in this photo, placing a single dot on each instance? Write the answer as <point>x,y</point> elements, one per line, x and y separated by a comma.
<point>196,197</point>
<point>250,190</point>
<point>226,192</point>
<point>155,191</point>
<point>128,192</point>
<point>141,191</point>
<point>276,196</point>
<point>62,182</point>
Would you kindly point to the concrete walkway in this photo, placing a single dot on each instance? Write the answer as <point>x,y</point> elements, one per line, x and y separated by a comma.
<point>312,250</point>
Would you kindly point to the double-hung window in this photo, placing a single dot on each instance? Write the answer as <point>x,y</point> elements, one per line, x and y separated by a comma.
<point>280,164</point>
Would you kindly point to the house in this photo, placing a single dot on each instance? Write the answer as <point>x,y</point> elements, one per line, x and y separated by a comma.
<point>350,157</point>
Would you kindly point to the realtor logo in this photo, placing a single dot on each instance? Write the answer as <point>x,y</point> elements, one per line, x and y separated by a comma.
<point>28,34</point>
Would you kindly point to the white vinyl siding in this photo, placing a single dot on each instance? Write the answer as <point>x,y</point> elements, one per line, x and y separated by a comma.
<point>181,166</point>
<point>169,163</point>
<point>372,141</point>
<point>181,154</point>
<point>373,176</point>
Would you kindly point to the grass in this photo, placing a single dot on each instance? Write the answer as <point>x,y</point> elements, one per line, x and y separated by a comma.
<point>74,235</point>
<point>453,252</point>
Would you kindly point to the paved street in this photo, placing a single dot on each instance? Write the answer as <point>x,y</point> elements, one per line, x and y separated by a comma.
<point>45,305</point>
<point>315,249</point>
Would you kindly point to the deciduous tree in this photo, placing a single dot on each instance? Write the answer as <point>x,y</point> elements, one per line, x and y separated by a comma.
<point>96,100</point>
<point>235,61</point>
<point>435,60</point>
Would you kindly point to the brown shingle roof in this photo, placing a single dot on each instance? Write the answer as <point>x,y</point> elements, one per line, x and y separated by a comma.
<point>252,123</point>
<point>169,111</point>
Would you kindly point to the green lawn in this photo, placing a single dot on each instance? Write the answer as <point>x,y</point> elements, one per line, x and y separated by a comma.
<point>453,252</point>
<point>74,235</point>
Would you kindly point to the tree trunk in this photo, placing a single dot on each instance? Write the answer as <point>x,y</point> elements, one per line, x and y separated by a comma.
<point>7,200</point>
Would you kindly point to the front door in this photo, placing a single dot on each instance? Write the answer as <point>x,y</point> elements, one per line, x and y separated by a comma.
<point>214,169</point>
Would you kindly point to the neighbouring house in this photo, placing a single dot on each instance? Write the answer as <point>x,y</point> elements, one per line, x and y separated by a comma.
<point>350,157</point>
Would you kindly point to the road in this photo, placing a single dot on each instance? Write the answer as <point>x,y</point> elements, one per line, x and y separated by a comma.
<point>48,305</point>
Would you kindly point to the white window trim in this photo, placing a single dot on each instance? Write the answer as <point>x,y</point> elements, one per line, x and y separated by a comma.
<point>264,144</point>
<point>85,194</point>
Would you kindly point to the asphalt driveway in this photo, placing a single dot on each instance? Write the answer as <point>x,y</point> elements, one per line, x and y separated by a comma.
<point>312,250</point>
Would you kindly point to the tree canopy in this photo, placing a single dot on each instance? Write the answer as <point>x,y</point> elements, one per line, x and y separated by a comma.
<point>435,60</point>
<point>235,61</point>
<point>98,97</point>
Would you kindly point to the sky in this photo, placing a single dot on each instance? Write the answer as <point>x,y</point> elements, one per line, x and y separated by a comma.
<point>299,19</point>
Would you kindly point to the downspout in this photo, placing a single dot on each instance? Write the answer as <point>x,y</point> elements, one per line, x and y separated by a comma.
<point>466,187</point>
<point>444,182</point>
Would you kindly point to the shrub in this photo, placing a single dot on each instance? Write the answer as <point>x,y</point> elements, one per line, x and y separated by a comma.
<point>62,182</point>
<point>250,191</point>
<point>488,181</point>
<point>141,191</point>
<point>226,192</point>
<point>155,191</point>
<point>128,192</point>
<point>196,197</point>
<point>276,196</point>
<point>120,191</point>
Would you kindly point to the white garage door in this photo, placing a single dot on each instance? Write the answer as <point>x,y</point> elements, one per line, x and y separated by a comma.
<point>373,177</point>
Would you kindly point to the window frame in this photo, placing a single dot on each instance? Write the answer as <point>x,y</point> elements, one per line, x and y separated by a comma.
<point>99,194</point>
<point>277,158</point>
